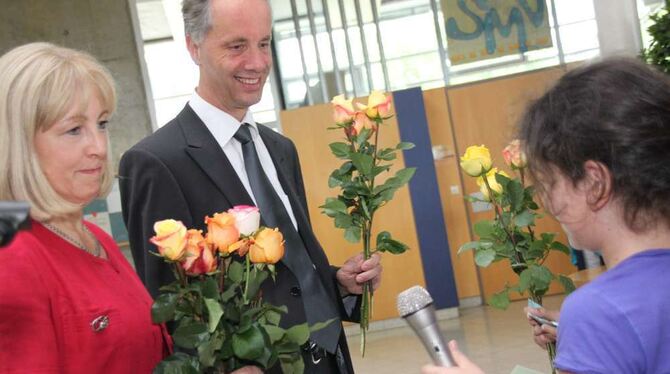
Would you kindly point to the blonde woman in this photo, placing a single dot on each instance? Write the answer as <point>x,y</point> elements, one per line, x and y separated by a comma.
<point>69,301</point>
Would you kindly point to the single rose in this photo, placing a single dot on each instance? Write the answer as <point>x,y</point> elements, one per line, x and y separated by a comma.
<point>476,161</point>
<point>222,231</point>
<point>199,257</point>
<point>267,246</point>
<point>247,218</point>
<point>343,110</point>
<point>514,156</point>
<point>170,239</point>
<point>493,183</point>
<point>379,105</point>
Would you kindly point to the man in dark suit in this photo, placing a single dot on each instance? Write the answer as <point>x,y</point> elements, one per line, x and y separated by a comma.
<point>213,156</point>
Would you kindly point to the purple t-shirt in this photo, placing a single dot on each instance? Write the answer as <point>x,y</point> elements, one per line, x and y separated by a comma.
<point>620,322</point>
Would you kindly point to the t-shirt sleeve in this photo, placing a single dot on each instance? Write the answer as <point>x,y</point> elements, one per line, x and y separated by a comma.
<point>594,336</point>
<point>27,338</point>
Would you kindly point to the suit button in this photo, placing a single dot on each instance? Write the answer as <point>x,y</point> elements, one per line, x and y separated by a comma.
<point>295,291</point>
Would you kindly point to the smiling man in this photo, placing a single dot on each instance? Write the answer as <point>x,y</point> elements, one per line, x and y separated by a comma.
<point>214,156</point>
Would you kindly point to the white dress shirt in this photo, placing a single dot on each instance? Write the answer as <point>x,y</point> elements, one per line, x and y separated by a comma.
<point>223,127</point>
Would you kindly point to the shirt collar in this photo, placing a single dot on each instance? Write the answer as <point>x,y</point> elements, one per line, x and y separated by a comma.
<point>222,125</point>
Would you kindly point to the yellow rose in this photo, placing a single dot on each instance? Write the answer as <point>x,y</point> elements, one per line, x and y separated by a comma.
<point>379,105</point>
<point>200,257</point>
<point>343,110</point>
<point>268,247</point>
<point>170,239</point>
<point>491,178</point>
<point>476,161</point>
<point>514,155</point>
<point>222,231</point>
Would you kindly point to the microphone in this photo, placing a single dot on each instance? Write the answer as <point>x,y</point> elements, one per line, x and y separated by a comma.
<point>416,307</point>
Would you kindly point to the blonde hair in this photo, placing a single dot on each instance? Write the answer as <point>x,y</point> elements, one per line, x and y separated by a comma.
<point>39,84</point>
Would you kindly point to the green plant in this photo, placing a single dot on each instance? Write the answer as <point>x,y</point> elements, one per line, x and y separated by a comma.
<point>658,52</point>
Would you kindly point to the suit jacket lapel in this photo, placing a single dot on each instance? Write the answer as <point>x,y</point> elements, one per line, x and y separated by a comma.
<point>206,152</point>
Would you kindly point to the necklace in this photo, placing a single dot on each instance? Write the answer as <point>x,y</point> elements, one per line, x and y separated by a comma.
<point>95,252</point>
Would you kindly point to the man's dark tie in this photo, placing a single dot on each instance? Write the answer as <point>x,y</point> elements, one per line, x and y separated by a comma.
<point>318,306</point>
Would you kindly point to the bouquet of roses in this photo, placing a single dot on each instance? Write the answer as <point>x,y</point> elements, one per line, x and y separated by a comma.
<point>221,322</point>
<point>511,236</point>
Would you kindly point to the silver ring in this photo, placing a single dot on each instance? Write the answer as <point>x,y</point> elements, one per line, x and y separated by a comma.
<point>100,323</point>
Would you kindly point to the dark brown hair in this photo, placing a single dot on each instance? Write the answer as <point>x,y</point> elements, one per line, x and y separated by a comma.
<point>616,112</point>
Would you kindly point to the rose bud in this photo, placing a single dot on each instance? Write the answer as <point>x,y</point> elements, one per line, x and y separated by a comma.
<point>361,121</point>
<point>514,155</point>
<point>343,110</point>
<point>379,105</point>
<point>491,178</point>
<point>476,161</point>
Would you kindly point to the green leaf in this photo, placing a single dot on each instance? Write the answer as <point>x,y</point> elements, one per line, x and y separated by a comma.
<point>404,175</point>
<point>386,154</point>
<point>256,279</point>
<point>214,313</point>
<point>525,218</point>
<point>163,308</point>
<point>540,278</point>
<point>363,163</point>
<point>249,344</point>
<point>275,333</point>
<point>340,150</point>
<point>387,244</point>
<point>292,365</point>
<point>207,350</point>
<point>343,221</point>
<point>353,234</point>
<point>236,272</point>
<point>320,325</point>
<point>404,146</point>
<point>484,229</point>
<point>190,334</point>
<point>209,288</point>
<point>558,246</point>
<point>298,334</point>
<point>178,363</point>
<point>515,192</point>
<point>468,246</point>
<point>567,283</point>
<point>499,300</point>
<point>484,257</point>
<point>334,206</point>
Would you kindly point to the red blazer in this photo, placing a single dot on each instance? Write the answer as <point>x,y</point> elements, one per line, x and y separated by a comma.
<point>53,296</point>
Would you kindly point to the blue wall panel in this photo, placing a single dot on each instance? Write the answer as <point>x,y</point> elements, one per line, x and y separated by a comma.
<point>425,195</point>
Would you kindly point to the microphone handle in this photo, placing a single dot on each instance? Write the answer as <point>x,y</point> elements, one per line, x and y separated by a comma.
<point>424,324</point>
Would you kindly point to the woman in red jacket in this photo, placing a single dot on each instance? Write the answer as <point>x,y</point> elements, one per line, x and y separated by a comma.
<point>69,300</point>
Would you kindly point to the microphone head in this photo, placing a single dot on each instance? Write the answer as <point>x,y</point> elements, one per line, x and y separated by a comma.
<point>412,300</point>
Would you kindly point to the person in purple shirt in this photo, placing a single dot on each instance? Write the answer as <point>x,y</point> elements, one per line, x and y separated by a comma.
<point>598,145</point>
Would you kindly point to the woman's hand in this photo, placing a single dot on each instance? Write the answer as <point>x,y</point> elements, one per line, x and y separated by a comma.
<point>464,365</point>
<point>542,334</point>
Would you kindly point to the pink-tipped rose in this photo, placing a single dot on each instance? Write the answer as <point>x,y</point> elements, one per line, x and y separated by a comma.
<point>514,155</point>
<point>247,218</point>
<point>343,110</point>
<point>200,257</point>
<point>378,107</point>
<point>361,121</point>
<point>170,239</point>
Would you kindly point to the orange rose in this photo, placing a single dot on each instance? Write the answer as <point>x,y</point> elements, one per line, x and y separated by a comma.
<point>514,155</point>
<point>361,121</point>
<point>379,105</point>
<point>268,247</point>
<point>222,231</point>
<point>200,257</point>
<point>343,110</point>
<point>170,239</point>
